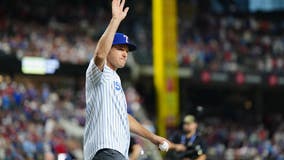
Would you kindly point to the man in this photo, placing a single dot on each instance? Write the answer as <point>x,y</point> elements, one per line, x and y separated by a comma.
<point>188,145</point>
<point>108,126</point>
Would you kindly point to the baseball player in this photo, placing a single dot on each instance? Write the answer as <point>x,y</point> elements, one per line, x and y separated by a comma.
<point>108,126</point>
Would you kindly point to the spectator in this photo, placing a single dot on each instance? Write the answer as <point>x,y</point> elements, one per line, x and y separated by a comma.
<point>189,144</point>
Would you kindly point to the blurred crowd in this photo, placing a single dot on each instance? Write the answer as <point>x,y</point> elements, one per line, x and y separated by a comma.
<point>232,140</point>
<point>233,43</point>
<point>68,31</point>
<point>40,123</point>
<point>52,41</point>
<point>218,42</point>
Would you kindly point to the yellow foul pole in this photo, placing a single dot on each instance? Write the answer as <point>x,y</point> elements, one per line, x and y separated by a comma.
<point>165,63</point>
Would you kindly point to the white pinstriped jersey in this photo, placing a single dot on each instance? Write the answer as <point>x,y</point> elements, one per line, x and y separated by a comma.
<point>107,123</point>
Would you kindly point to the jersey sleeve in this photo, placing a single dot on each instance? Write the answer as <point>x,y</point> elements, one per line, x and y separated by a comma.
<point>93,73</point>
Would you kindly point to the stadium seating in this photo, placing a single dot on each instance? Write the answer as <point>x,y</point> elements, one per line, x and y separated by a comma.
<point>37,122</point>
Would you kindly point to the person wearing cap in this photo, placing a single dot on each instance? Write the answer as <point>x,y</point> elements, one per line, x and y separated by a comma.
<point>188,145</point>
<point>108,125</point>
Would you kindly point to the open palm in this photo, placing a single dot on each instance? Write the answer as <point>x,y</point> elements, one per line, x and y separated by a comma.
<point>118,10</point>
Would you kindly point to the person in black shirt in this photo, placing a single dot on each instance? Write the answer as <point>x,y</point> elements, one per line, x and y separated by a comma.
<point>189,144</point>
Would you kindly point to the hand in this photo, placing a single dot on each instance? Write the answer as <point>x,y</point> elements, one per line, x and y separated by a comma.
<point>159,140</point>
<point>136,152</point>
<point>179,147</point>
<point>117,9</point>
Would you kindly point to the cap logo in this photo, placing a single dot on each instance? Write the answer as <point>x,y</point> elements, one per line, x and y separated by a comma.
<point>126,38</point>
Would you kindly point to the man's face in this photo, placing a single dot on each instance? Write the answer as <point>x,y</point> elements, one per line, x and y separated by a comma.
<point>190,127</point>
<point>117,56</point>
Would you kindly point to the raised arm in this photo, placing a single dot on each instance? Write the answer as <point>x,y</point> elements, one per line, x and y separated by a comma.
<point>105,42</point>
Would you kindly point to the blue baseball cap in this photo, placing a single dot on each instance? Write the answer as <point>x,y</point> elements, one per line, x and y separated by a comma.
<point>120,38</point>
